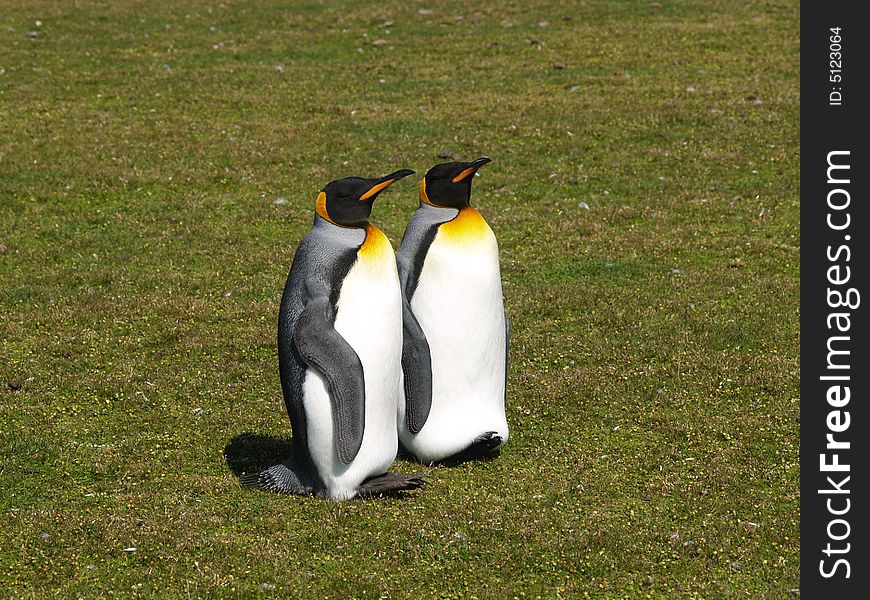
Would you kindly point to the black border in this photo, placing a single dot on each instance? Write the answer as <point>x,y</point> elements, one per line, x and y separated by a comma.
<point>826,128</point>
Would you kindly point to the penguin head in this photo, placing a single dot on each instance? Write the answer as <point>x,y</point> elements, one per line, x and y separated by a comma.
<point>449,184</point>
<point>348,202</point>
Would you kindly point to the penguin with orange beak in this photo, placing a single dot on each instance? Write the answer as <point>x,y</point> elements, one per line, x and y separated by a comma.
<point>455,338</point>
<point>339,350</point>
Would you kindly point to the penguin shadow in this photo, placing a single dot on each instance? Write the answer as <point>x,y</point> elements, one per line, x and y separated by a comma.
<point>471,456</point>
<point>250,453</point>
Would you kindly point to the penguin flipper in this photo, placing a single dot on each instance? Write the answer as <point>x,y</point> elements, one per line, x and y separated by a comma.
<point>323,348</point>
<point>416,358</point>
<point>417,371</point>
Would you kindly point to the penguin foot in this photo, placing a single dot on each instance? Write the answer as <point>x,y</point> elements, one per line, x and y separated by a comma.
<point>390,484</point>
<point>484,446</point>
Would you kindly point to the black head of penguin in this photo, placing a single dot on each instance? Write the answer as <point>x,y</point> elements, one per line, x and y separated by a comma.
<point>348,202</point>
<point>449,184</point>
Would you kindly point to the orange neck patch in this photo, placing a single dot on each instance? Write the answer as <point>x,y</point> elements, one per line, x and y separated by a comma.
<point>467,226</point>
<point>375,244</point>
<point>320,207</point>
<point>423,196</point>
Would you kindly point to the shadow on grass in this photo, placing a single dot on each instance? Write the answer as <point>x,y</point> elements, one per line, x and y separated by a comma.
<point>462,459</point>
<point>250,452</point>
<point>453,461</point>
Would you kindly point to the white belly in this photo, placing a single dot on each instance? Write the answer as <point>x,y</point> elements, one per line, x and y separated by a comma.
<point>458,303</point>
<point>369,318</point>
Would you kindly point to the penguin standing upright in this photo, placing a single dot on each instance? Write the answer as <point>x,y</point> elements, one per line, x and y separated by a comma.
<point>339,348</point>
<point>454,357</point>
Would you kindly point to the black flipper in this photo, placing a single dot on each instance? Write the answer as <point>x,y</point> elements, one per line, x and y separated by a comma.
<point>416,359</point>
<point>390,484</point>
<point>323,348</point>
<point>482,446</point>
<point>417,370</point>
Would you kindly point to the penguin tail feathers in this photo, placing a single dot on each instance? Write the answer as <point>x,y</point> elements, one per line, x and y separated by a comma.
<point>390,484</point>
<point>280,479</point>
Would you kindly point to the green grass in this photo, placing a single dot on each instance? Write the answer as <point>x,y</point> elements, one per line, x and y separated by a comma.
<point>653,389</point>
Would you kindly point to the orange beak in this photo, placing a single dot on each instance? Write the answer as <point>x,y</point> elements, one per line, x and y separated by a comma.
<point>472,168</point>
<point>385,182</point>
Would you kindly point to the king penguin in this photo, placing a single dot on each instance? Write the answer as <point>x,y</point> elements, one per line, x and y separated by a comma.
<point>455,337</point>
<point>339,349</point>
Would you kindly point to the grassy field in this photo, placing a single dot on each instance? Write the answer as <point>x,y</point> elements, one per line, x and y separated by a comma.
<point>159,164</point>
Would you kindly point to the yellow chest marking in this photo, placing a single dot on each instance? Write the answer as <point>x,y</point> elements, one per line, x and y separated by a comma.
<point>467,226</point>
<point>376,245</point>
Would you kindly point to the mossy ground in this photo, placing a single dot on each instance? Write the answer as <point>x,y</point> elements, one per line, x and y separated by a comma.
<point>654,378</point>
